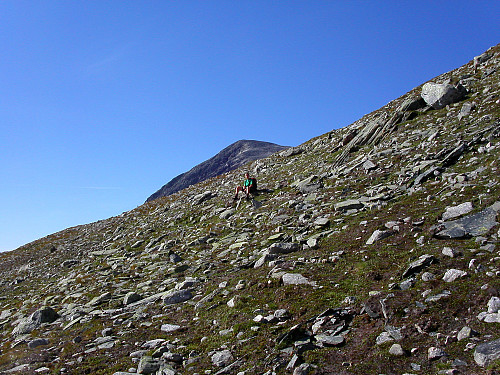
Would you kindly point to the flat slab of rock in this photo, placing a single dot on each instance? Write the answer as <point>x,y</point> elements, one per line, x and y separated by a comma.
<point>328,340</point>
<point>170,328</point>
<point>283,248</point>
<point>477,224</point>
<point>177,296</point>
<point>350,204</point>
<point>378,235</point>
<point>457,211</point>
<point>131,297</point>
<point>295,279</point>
<point>421,263</point>
<point>487,352</point>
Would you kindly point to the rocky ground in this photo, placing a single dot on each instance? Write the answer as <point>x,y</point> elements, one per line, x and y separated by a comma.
<point>372,249</point>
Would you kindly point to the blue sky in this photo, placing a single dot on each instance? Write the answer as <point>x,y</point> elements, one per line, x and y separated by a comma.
<point>103,102</point>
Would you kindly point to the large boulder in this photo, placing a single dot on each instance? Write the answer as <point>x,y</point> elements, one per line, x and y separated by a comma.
<point>487,352</point>
<point>43,315</point>
<point>439,95</point>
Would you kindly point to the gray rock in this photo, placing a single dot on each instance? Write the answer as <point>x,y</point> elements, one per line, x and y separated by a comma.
<point>369,165</point>
<point>263,259</point>
<point>437,297</point>
<point>37,342</point>
<point>494,305</point>
<point>439,95</point>
<point>466,110</point>
<point>321,222</point>
<point>283,248</point>
<point>428,173</point>
<point>282,314</point>
<point>487,352</point>
<point>427,276</point>
<point>137,244</point>
<point>312,243</point>
<point>222,358</point>
<point>453,274</point>
<point>309,185</point>
<point>294,362</point>
<point>295,279</point>
<point>177,296</point>
<point>394,332</point>
<point>421,263</point>
<point>435,353</point>
<point>169,328</point>
<point>477,224</point>
<point>407,284</point>
<point>70,263</point>
<point>412,104</point>
<point>292,151</point>
<point>131,298</point>
<point>188,283</point>
<point>303,369</point>
<point>44,315</point>
<point>457,211</point>
<point>396,350</point>
<point>378,235</point>
<point>328,340</point>
<point>383,338</point>
<point>107,332</point>
<point>465,333</point>
<point>148,365</point>
<point>19,369</point>
<point>450,252</point>
<point>453,156</point>
<point>96,301</point>
<point>203,197</point>
<point>350,204</point>
<point>226,214</point>
<point>172,357</point>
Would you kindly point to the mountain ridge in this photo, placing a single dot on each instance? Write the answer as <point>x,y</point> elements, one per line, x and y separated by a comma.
<point>372,249</point>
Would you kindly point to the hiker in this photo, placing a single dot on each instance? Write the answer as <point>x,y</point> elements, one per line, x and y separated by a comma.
<point>249,187</point>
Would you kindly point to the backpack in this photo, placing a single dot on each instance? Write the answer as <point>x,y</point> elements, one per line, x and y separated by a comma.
<point>254,185</point>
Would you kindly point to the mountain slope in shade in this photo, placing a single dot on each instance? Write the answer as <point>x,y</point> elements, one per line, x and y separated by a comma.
<point>230,158</point>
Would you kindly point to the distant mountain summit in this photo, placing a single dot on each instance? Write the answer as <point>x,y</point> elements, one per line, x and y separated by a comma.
<point>230,158</point>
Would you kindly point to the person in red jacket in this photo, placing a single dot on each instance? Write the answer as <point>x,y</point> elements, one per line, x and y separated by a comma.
<point>249,187</point>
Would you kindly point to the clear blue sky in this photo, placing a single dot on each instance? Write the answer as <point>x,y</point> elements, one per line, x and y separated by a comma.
<point>103,102</point>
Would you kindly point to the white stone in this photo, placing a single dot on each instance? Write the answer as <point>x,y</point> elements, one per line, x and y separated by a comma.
<point>457,211</point>
<point>494,305</point>
<point>222,358</point>
<point>397,350</point>
<point>453,274</point>
<point>435,353</point>
<point>170,327</point>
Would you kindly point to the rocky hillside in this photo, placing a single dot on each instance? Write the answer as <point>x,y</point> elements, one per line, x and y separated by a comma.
<point>372,249</point>
<point>233,156</point>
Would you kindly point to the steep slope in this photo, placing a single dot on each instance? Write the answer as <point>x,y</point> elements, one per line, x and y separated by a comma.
<point>374,249</point>
<point>230,158</point>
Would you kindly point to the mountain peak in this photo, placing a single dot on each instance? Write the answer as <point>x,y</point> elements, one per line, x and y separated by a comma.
<point>233,156</point>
